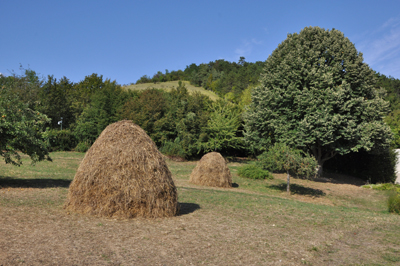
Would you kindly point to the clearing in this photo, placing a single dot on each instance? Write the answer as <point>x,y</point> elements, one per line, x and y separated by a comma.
<point>168,85</point>
<point>330,221</point>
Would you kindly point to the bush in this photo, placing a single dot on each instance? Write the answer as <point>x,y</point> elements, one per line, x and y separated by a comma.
<point>173,148</point>
<point>394,202</point>
<point>274,159</point>
<point>61,140</point>
<point>83,146</point>
<point>281,157</point>
<point>254,172</point>
<point>305,166</point>
<point>385,186</point>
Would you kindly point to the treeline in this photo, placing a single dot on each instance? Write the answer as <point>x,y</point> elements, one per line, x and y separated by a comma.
<point>392,88</point>
<point>234,81</point>
<point>226,79</point>
<point>181,124</point>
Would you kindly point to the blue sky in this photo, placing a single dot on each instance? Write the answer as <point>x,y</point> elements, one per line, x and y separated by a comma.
<point>124,40</point>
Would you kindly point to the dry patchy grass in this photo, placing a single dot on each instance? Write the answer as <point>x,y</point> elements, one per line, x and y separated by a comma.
<point>330,222</point>
<point>167,86</point>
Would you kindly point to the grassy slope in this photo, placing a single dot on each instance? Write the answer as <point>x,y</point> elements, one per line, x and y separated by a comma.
<point>173,84</point>
<point>254,224</point>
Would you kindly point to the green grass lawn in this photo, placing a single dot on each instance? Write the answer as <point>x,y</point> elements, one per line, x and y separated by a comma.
<point>255,223</point>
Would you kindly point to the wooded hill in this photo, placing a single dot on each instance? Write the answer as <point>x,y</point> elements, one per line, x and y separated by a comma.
<point>186,112</point>
<point>226,79</point>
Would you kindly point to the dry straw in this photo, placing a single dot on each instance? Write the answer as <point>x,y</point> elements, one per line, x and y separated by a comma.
<point>212,171</point>
<point>123,175</point>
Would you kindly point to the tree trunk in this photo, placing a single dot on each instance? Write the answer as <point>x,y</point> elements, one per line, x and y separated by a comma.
<point>288,183</point>
<point>320,169</point>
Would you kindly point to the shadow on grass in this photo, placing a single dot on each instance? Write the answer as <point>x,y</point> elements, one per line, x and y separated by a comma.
<point>186,208</point>
<point>298,189</point>
<point>6,182</point>
<point>337,178</point>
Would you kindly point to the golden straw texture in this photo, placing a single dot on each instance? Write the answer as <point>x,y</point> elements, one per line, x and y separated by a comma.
<point>212,171</point>
<point>123,175</point>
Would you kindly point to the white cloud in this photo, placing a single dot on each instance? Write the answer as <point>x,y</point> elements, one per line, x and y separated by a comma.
<point>246,47</point>
<point>381,48</point>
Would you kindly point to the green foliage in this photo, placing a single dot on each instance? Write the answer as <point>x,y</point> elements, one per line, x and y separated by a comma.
<point>102,110</point>
<point>173,148</point>
<point>21,129</point>
<point>254,172</point>
<point>393,120</point>
<point>274,159</point>
<point>384,186</point>
<point>306,166</point>
<point>318,95</point>
<point>222,127</point>
<point>145,110</point>
<point>25,87</point>
<point>280,158</point>
<point>170,118</point>
<point>61,140</point>
<point>220,76</point>
<point>55,101</point>
<point>83,146</point>
<point>394,202</point>
<point>245,98</point>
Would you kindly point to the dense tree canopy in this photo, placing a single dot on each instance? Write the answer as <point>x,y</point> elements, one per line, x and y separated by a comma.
<point>316,93</point>
<point>21,129</point>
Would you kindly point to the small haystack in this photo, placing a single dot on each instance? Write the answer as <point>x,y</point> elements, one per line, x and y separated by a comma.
<point>212,171</point>
<point>123,175</point>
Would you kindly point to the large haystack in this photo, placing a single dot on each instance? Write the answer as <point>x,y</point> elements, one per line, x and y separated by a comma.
<point>123,175</point>
<point>212,171</point>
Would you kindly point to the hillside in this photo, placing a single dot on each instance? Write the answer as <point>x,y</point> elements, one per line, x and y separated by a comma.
<point>172,84</point>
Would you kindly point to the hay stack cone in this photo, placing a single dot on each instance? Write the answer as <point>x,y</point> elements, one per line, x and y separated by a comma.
<point>212,171</point>
<point>123,175</point>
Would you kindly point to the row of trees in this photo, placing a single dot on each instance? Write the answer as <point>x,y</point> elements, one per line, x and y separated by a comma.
<point>315,95</point>
<point>180,123</point>
<point>226,79</point>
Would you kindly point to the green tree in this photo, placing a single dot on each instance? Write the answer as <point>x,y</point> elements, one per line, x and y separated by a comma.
<point>318,95</point>
<point>145,110</point>
<point>281,158</point>
<point>21,129</point>
<point>82,92</point>
<point>55,101</point>
<point>26,87</point>
<point>222,127</point>
<point>103,109</point>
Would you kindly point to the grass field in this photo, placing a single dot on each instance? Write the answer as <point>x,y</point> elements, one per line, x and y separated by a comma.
<point>173,84</point>
<point>329,221</point>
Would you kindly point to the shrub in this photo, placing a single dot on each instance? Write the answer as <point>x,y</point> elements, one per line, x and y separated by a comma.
<point>305,166</point>
<point>173,148</point>
<point>280,157</point>
<point>274,159</point>
<point>385,186</point>
<point>394,202</point>
<point>83,146</point>
<point>61,140</point>
<point>254,172</point>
